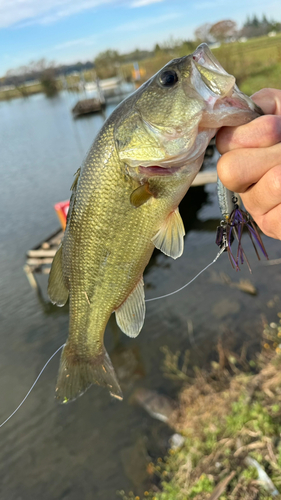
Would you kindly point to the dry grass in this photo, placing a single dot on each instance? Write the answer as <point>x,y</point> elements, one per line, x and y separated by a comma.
<point>228,417</point>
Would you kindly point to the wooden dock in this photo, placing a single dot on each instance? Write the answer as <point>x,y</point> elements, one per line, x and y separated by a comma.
<point>40,258</point>
<point>207,177</point>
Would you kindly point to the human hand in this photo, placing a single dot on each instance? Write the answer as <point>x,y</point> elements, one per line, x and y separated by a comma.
<point>251,162</point>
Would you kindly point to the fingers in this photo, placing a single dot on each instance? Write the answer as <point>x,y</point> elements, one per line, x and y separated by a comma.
<point>270,223</point>
<point>240,168</point>
<point>251,162</point>
<point>269,101</point>
<point>263,132</point>
<point>265,195</point>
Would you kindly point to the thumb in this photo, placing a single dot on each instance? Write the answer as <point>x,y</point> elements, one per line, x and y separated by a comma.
<point>269,101</point>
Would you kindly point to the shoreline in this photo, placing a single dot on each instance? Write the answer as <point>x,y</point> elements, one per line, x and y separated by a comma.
<point>229,420</point>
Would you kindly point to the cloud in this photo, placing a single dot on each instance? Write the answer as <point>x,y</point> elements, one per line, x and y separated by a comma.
<point>208,4</point>
<point>86,41</point>
<point>22,13</point>
<point>144,23</point>
<point>26,12</point>
<point>142,3</point>
<point>127,27</point>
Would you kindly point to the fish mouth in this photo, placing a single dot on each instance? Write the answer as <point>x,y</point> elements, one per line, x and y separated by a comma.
<point>183,161</point>
<point>202,55</point>
<point>232,100</point>
<point>157,170</point>
<point>233,110</point>
<point>239,101</point>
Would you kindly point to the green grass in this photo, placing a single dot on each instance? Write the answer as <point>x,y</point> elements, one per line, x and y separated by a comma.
<point>224,417</point>
<point>249,57</point>
<point>268,77</point>
<point>255,63</point>
<point>21,91</point>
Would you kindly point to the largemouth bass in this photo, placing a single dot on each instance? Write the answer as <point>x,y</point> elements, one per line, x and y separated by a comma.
<point>125,202</point>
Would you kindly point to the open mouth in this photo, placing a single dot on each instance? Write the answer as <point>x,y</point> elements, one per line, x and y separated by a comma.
<point>156,170</point>
<point>238,102</point>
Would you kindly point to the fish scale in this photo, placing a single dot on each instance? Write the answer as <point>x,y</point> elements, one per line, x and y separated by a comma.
<point>125,203</point>
<point>106,286</point>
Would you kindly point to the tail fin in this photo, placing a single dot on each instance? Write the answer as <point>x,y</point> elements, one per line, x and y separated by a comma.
<point>77,373</point>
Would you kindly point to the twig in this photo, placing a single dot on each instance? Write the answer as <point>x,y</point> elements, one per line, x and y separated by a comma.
<point>221,487</point>
<point>257,445</point>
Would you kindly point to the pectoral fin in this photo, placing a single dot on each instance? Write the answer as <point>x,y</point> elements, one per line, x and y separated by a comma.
<point>169,238</point>
<point>57,290</point>
<point>130,315</point>
<point>140,195</point>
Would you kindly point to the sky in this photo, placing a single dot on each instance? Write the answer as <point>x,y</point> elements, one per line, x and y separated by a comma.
<point>67,31</point>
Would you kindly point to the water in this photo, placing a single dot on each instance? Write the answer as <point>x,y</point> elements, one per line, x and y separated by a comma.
<point>95,446</point>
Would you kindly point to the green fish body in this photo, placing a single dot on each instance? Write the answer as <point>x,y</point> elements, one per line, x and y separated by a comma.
<point>125,202</point>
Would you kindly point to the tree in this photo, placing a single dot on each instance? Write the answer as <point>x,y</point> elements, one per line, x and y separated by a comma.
<point>255,22</point>
<point>223,30</point>
<point>46,72</point>
<point>107,62</point>
<point>49,82</point>
<point>254,27</point>
<point>157,49</point>
<point>202,33</point>
<point>41,70</point>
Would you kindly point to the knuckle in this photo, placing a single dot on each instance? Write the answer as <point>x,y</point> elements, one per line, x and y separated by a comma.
<point>223,139</point>
<point>223,169</point>
<point>275,182</point>
<point>265,224</point>
<point>249,204</point>
<point>271,128</point>
<point>270,225</point>
<point>228,171</point>
<point>266,99</point>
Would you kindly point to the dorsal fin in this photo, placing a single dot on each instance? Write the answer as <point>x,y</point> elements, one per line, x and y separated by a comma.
<point>76,177</point>
<point>169,238</point>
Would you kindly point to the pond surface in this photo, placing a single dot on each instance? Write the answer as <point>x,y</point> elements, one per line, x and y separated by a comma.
<point>96,445</point>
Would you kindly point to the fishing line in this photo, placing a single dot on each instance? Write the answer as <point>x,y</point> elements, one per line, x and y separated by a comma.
<point>191,281</point>
<point>33,385</point>
<point>147,300</point>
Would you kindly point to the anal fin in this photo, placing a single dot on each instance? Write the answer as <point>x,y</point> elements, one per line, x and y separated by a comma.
<point>169,238</point>
<point>57,290</point>
<point>130,315</point>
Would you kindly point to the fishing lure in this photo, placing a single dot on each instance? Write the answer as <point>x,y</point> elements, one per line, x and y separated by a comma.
<point>234,221</point>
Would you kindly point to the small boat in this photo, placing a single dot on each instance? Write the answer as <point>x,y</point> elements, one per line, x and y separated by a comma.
<point>86,106</point>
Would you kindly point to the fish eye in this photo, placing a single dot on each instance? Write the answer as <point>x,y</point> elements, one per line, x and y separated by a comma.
<point>168,78</point>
